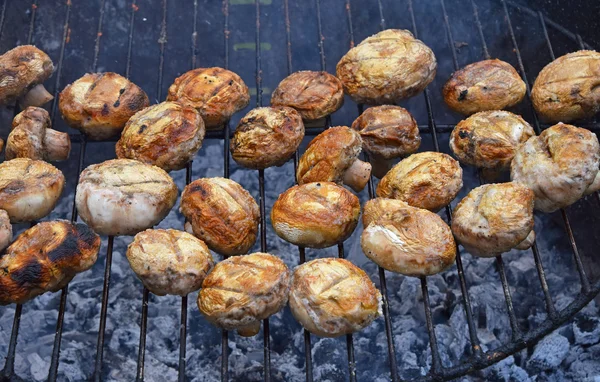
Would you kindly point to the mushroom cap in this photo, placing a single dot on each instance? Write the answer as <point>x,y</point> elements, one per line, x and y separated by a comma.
<point>267,136</point>
<point>407,240</point>
<point>388,131</point>
<point>29,189</point>
<point>559,165</point>
<point>315,215</point>
<point>568,88</point>
<point>221,213</point>
<point>489,139</point>
<point>6,232</point>
<point>216,93</point>
<point>427,180</point>
<point>243,290</point>
<point>314,95</point>
<point>22,68</point>
<point>124,196</point>
<point>329,155</point>
<point>168,261</point>
<point>387,67</point>
<point>494,218</point>
<point>45,258</point>
<point>167,135</point>
<point>99,104</point>
<point>331,297</point>
<point>484,85</point>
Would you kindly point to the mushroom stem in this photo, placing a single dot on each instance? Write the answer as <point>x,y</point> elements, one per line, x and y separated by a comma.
<point>249,330</point>
<point>381,166</point>
<point>57,144</point>
<point>358,175</point>
<point>528,242</point>
<point>36,96</point>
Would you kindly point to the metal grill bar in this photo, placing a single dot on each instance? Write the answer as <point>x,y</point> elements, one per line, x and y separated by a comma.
<point>103,311</point>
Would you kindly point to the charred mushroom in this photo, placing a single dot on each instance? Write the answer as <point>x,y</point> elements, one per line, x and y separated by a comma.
<point>22,72</point>
<point>243,290</point>
<point>316,215</point>
<point>99,104</point>
<point>31,137</point>
<point>221,213</point>
<point>332,156</point>
<point>267,136</point>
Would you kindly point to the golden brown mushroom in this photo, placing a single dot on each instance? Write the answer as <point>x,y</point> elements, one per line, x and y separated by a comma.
<point>221,213</point>
<point>484,85</point>
<point>332,156</point>
<point>22,73</point>
<point>386,68</point>
<point>6,232</point>
<point>31,137</point>
<point>168,261</point>
<point>29,189</point>
<point>243,290</point>
<point>428,180</point>
<point>267,136</point>
<point>45,258</point>
<point>333,297</point>
<point>167,135</point>
<point>315,215</point>
<point>387,132</point>
<point>99,104</point>
<point>216,93</point>
<point>407,240</point>
<point>314,95</point>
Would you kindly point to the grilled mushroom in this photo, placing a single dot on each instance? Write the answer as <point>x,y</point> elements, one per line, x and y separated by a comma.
<point>216,93</point>
<point>221,213</point>
<point>387,132</point>
<point>29,189</point>
<point>22,72</point>
<point>568,88</point>
<point>168,261</point>
<point>332,156</point>
<point>99,104</point>
<point>124,196</point>
<point>31,137</point>
<point>560,166</point>
<point>484,85</point>
<point>333,297</point>
<point>167,135</point>
<point>314,95</point>
<point>6,232</point>
<point>386,68</point>
<point>267,136</point>
<point>316,215</point>
<point>427,180</point>
<point>407,240</point>
<point>45,258</point>
<point>494,218</point>
<point>243,290</point>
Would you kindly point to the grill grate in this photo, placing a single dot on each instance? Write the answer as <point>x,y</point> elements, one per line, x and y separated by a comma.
<point>479,359</point>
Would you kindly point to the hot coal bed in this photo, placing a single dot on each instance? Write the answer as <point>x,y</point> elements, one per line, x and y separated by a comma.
<point>476,314</point>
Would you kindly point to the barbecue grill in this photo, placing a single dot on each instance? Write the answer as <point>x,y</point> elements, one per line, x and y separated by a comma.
<point>264,41</point>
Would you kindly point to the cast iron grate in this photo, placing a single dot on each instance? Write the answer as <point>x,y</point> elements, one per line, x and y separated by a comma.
<point>478,359</point>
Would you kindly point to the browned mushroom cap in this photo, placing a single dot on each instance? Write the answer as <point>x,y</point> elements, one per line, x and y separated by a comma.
<point>267,136</point>
<point>332,297</point>
<point>6,232</point>
<point>22,72</point>
<point>243,290</point>
<point>484,85</point>
<point>99,104</point>
<point>31,137</point>
<point>407,240</point>
<point>223,214</point>
<point>45,258</point>
<point>316,215</point>
<point>314,94</point>
<point>216,93</point>
<point>427,180</point>
<point>167,135</point>
<point>332,156</point>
